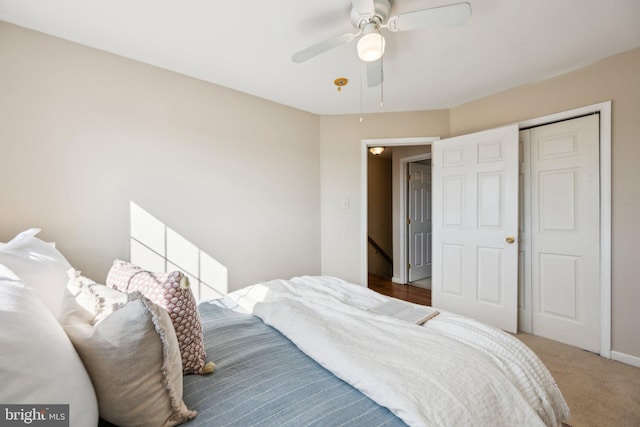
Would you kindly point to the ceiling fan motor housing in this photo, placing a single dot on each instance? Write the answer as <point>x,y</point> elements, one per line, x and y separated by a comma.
<point>382,11</point>
<point>369,16</point>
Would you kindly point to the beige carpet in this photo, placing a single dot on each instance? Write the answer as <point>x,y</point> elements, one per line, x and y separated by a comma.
<point>599,392</point>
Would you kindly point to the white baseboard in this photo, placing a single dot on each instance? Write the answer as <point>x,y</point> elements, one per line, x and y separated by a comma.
<point>397,280</point>
<point>626,358</point>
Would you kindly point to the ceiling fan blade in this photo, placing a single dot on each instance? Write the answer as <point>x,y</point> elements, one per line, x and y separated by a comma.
<point>322,47</point>
<point>374,73</point>
<point>364,7</point>
<point>437,17</point>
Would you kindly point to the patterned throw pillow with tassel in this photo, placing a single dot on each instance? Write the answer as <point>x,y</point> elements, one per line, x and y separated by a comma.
<point>171,292</point>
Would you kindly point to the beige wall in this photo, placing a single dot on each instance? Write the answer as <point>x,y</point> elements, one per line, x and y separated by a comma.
<point>340,172</point>
<point>379,213</point>
<point>616,79</point>
<point>83,133</point>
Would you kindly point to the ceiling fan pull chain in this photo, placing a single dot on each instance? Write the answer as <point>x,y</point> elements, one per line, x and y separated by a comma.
<point>382,75</point>
<point>363,71</point>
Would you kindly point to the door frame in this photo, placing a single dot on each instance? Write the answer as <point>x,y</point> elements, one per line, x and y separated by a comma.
<point>604,109</point>
<point>364,149</point>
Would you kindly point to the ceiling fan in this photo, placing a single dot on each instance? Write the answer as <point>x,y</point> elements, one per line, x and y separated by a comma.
<point>370,16</point>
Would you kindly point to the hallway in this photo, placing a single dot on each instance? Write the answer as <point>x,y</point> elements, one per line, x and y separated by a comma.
<point>409,293</point>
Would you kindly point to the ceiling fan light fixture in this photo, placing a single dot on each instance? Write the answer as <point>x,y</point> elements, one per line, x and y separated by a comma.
<point>371,44</point>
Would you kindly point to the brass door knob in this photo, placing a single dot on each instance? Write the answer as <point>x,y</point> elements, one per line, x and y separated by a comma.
<point>510,239</point>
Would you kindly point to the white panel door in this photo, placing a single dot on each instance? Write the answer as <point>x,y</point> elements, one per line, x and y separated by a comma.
<point>475,226</point>
<point>565,228</point>
<point>419,221</point>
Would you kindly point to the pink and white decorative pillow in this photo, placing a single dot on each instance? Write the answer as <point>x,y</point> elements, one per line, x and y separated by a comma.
<point>171,292</point>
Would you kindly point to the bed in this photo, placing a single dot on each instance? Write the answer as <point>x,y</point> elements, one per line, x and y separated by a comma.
<point>299,352</point>
<point>263,379</point>
<point>450,371</point>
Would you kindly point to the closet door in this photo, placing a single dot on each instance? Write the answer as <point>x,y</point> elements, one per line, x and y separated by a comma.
<point>565,231</point>
<point>475,226</point>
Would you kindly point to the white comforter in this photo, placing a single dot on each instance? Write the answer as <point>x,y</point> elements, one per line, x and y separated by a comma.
<point>453,371</point>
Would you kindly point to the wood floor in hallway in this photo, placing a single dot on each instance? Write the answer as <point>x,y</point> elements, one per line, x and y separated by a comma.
<point>409,293</point>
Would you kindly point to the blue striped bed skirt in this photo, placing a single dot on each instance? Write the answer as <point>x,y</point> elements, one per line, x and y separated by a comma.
<point>263,379</point>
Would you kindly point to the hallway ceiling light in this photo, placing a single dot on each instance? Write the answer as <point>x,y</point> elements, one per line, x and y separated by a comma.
<point>376,151</point>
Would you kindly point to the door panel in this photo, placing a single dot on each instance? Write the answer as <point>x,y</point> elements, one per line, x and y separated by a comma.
<point>489,208</point>
<point>453,203</point>
<point>419,221</point>
<point>565,224</point>
<point>475,199</point>
<point>558,280</point>
<point>452,269</point>
<point>489,278</point>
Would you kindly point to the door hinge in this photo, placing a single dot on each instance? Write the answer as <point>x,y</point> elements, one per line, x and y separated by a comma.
<point>408,221</point>
<point>409,265</point>
<point>408,177</point>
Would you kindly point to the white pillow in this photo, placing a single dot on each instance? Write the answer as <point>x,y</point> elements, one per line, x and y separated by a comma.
<point>40,266</point>
<point>38,364</point>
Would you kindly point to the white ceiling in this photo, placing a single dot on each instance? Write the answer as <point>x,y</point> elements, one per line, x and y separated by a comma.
<point>247,45</point>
